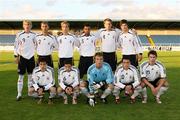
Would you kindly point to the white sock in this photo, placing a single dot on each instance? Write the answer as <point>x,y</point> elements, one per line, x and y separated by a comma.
<point>161,91</point>
<point>52,95</point>
<point>116,92</point>
<point>29,80</point>
<point>106,93</point>
<point>63,95</point>
<point>136,92</point>
<point>35,95</point>
<point>84,91</point>
<point>144,92</point>
<point>20,85</point>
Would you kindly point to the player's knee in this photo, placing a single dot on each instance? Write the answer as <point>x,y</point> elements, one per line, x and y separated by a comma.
<point>59,90</point>
<point>31,90</point>
<point>76,89</point>
<point>110,86</point>
<point>52,89</point>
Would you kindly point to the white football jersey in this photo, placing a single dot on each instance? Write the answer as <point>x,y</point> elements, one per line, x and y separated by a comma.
<point>129,43</point>
<point>45,44</point>
<point>68,78</point>
<point>45,78</point>
<point>152,72</point>
<point>25,44</point>
<point>123,77</point>
<point>66,44</point>
<point>109,39</point>
<point>86,45</point>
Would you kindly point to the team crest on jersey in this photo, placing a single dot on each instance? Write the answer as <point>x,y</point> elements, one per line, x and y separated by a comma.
<point>103,74</point>
<point>95,75</point>
<point>70,41</point>
<point>23,39</point>
<point>48,43</point>
<point>60,41</point>
<point>147,72</point>
<point>103,36</point>
<point>39,41</point>
<point>82,40</point>
<point>87,39</point>
<point>38,77</point>
<point>27,36</point>
<point>47,78</point>
<point>65,38</point>
<point>64,78</point>
<point>44,39</point>
<point>122,76</point>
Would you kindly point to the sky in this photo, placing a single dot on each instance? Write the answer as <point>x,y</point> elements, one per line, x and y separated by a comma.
<point>90,9</point>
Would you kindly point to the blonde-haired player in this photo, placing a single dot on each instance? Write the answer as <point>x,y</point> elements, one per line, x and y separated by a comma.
<point>24,49</point>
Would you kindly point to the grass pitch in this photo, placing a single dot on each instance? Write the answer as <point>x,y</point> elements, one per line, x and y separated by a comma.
<point>28,109</point>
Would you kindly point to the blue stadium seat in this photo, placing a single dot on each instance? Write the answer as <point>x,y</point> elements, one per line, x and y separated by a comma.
<point>7,39</point>
<point>144,40</point>
<point>166,39</point>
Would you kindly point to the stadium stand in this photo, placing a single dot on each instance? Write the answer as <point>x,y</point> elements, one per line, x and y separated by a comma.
<point>151,33</point>
<point>144,40</point>
<point>166,40</point>
<point>7,40</point>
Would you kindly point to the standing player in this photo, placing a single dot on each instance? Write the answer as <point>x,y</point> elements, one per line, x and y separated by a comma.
<point>86,44</point>
<point>109,38</point>
<point>126,78</point>
<point>153,75</point>
<point>66,43</point>
<point>43,80</point>
<point>129,44</point>
<point>45,43</point>
<point>68,77</point>
<point>24,48</point>
<point>100,76</point>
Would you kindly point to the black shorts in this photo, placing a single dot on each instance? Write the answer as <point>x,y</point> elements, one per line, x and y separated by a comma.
<point>126,84</point>
<point>48,59</point>
<point>132,58</point>
<point>43,88</point>
<point>111,59</point>
<point>84,64</point>
<point>61,61</point>
<point>154,83</point>
<point>26,64</point>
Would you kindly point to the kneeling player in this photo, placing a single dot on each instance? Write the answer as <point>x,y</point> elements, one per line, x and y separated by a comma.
<point>43,80</point>
<point>99,76</point>
<point>126,78</point>
<point>153,75</point>
<point>68,77</point>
